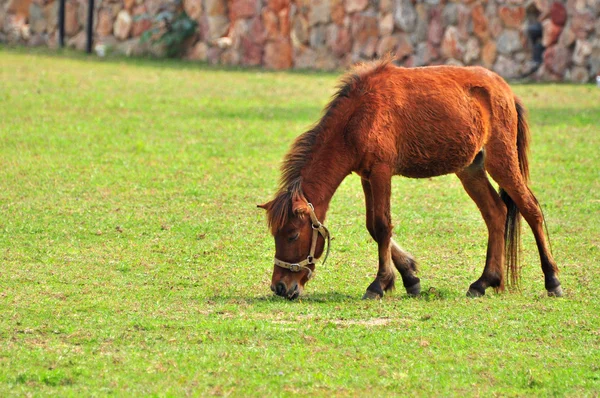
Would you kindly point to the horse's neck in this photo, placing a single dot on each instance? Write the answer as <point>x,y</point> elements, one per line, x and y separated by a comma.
<point>323,175</point>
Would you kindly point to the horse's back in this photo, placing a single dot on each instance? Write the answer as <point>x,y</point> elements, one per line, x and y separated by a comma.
<point>433,120</point>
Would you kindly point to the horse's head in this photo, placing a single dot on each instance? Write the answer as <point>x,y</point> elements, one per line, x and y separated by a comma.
<point>299,241</point>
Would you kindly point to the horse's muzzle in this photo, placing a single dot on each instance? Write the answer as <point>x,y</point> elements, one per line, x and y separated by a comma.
<point>281,290</point>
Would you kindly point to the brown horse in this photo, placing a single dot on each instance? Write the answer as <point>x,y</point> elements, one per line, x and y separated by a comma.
<point>416,122</point>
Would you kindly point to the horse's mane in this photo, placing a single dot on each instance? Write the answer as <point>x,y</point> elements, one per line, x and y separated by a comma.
<point>300,153</point>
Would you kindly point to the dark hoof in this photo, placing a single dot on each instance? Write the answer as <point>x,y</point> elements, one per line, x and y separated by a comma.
<point>474,293</point>
<point>414,290</point>
<point>369,295</point>
<point>556,292</point>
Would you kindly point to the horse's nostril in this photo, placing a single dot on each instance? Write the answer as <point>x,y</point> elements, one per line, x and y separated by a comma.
<point>280,289</point>
<point>294,291</point>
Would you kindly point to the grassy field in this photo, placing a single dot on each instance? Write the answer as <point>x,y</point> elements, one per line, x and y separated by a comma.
<point>134,260</point>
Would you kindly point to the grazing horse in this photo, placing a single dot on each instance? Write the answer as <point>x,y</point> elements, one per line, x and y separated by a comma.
<point>416,122</point>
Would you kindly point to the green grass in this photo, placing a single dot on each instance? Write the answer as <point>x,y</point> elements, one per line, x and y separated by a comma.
<point>134,261</point>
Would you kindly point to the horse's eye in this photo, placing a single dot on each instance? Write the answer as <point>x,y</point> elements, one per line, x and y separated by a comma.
<point>294,237</point>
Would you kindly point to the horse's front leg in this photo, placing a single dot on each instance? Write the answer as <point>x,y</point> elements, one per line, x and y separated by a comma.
<point>380,181</point>
<point>403,260</point>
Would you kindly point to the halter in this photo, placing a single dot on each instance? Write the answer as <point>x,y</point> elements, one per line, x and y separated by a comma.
<point>318,228</point>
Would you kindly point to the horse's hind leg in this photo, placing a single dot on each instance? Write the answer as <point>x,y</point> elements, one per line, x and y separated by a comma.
<point>477,185</point>
<point>407,266</point>
<point>507,174</point>
<point>403,261</point>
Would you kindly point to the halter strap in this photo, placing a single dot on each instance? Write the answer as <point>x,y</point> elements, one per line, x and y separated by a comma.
<point>318,228</point>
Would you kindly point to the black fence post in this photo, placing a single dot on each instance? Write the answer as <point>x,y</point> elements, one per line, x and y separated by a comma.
<point>90,26</point>
<point>61,23</point>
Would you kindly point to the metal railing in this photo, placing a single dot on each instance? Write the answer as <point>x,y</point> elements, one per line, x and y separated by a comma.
<point>89,28</point>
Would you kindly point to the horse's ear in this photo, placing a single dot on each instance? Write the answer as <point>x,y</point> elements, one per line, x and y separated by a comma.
<point>266,206</point>
<point>300,207</point>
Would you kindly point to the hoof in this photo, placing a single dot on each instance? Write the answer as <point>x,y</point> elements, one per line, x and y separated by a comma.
<point>474,293</point>
<point>414,290</point>
<point>556,292</point>
<point>369,295</point>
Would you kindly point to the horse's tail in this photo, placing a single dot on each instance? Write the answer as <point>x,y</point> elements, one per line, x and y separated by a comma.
<point>512,227</point>
<point>522,139</point>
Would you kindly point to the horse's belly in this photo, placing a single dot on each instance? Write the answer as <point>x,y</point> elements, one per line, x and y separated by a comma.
<point>437,156</point>
<point>432,169</point>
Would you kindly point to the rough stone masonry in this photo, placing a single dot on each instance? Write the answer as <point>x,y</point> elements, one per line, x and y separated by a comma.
<point>541,39</point>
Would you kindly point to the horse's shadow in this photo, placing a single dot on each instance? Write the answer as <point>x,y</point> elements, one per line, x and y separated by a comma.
<point>329,297</point>
<point>325,297</point>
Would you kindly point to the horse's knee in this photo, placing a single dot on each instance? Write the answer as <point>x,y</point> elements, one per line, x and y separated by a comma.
<point>382,230</point>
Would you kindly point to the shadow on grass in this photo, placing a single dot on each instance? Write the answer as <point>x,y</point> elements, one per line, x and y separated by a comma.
<point>431,294</point>
<point>327,297</point>
<point>540,116</point>
<point>215,110</point>
<point>150,61</point>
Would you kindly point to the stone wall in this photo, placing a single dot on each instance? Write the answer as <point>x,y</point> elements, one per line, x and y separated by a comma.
<point>508,36</point>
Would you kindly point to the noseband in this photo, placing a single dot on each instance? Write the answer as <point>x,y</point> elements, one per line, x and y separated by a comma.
<point>318,228</point>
